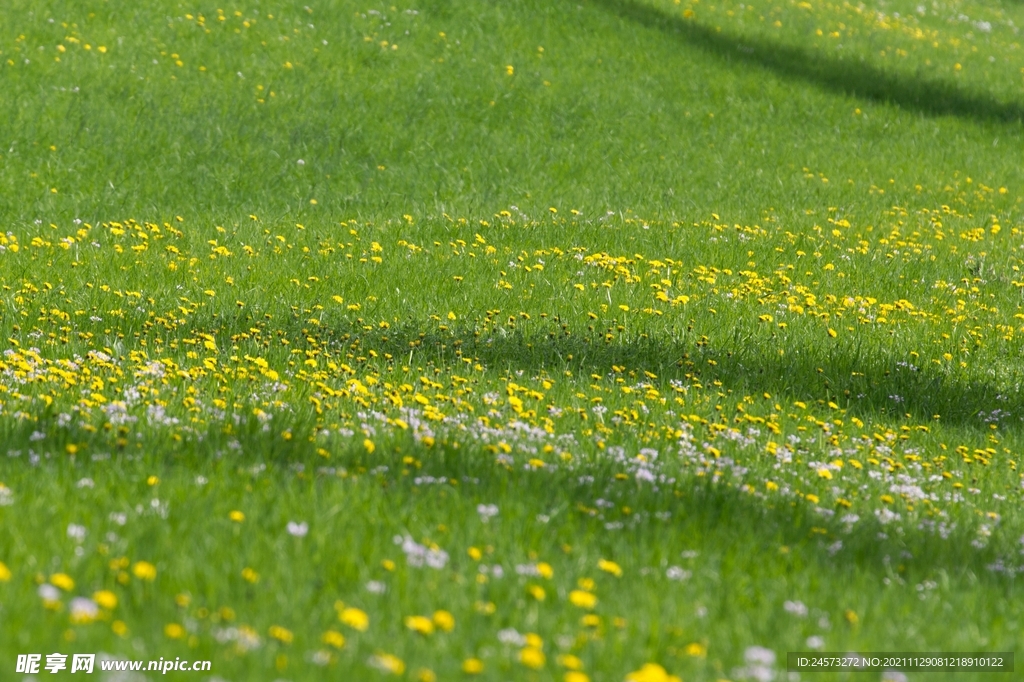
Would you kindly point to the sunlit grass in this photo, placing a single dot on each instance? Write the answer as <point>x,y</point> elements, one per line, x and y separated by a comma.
<point>513,341</point>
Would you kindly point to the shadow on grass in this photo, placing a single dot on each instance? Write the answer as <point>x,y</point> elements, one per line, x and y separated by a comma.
<point>866,383</point>
<point>929,96</point>
<point>737,526</point>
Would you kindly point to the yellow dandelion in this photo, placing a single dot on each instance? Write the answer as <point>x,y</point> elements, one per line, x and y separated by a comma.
<point>420,624</point>
<point>532,658</point>
<point>610,567</point>
<point>696,649</point>
<point>174,631</point>
<point>106,599</point>
<point>63,581</point>
<point>651,672</point>
<point>355,618</point>
<point>283,635</point>
<point>584,600</point>
<point>333,638</point>
<point>569,661</point>
<point>143,570</point>
<point>444,620</point>
<point>472,666</point>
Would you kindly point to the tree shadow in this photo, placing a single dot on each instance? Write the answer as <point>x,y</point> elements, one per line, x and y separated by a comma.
<point>726,519</point>
<point>874,383</point>
<point>929,96</point>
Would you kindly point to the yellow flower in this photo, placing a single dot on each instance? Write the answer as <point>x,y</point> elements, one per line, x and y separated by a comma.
<point>537,592</point>
<point>370,447</point>
<point>63,581</point>
<point>281,634</point>
<point>545,571</point>
<point>534,641</point>
<point>610,567</point>
<point>696,649</point>
<point>152,480</point>
<point>651,672</point>
<point>174,631</point>
<point>236,516</point>
<point>355,619</point>
<point>472,666</point>
<point>5,573</point>
<point>474,553</point>
<point>532,658</point>
<point>143,570</point>
<point>106,599</point>
<point>584,600</point>
<point>444,620</point>
<point>420,624</point>
<point>569,661</point>
<point>575,676</point>
<point>250,575</point>
<point>590,621</point>
<point>333,638</point>
<point>389,663</point>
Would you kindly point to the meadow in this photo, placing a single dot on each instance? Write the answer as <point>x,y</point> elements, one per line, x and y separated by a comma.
<point>577,341</point>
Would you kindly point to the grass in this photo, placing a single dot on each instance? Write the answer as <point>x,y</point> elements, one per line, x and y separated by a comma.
<point>556,340</point>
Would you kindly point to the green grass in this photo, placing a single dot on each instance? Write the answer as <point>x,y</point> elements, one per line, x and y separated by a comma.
<point>688,288</point>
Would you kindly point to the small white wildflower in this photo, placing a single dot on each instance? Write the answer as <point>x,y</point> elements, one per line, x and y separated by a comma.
<point>512,637</point>
<point>82,608</point>
<point>486,511</point>
<point>299,530</point>
<point>677,573</point>
<point>76,532</point>
<point>48,592</point>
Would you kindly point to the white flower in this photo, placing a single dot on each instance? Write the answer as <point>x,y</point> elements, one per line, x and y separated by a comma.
<point>299,530</point>
<point>758,655</point>
<point>48,592</point>
<point>417,555</point>
<point>511,636</point>
<point>677,573</point>
<point>76,532</point>
<point>82,608</point>
<point>816,642</point>
<point>376,587</point>
<point>486,511</point>
<point>797,608</point>
<point>886,516</point>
